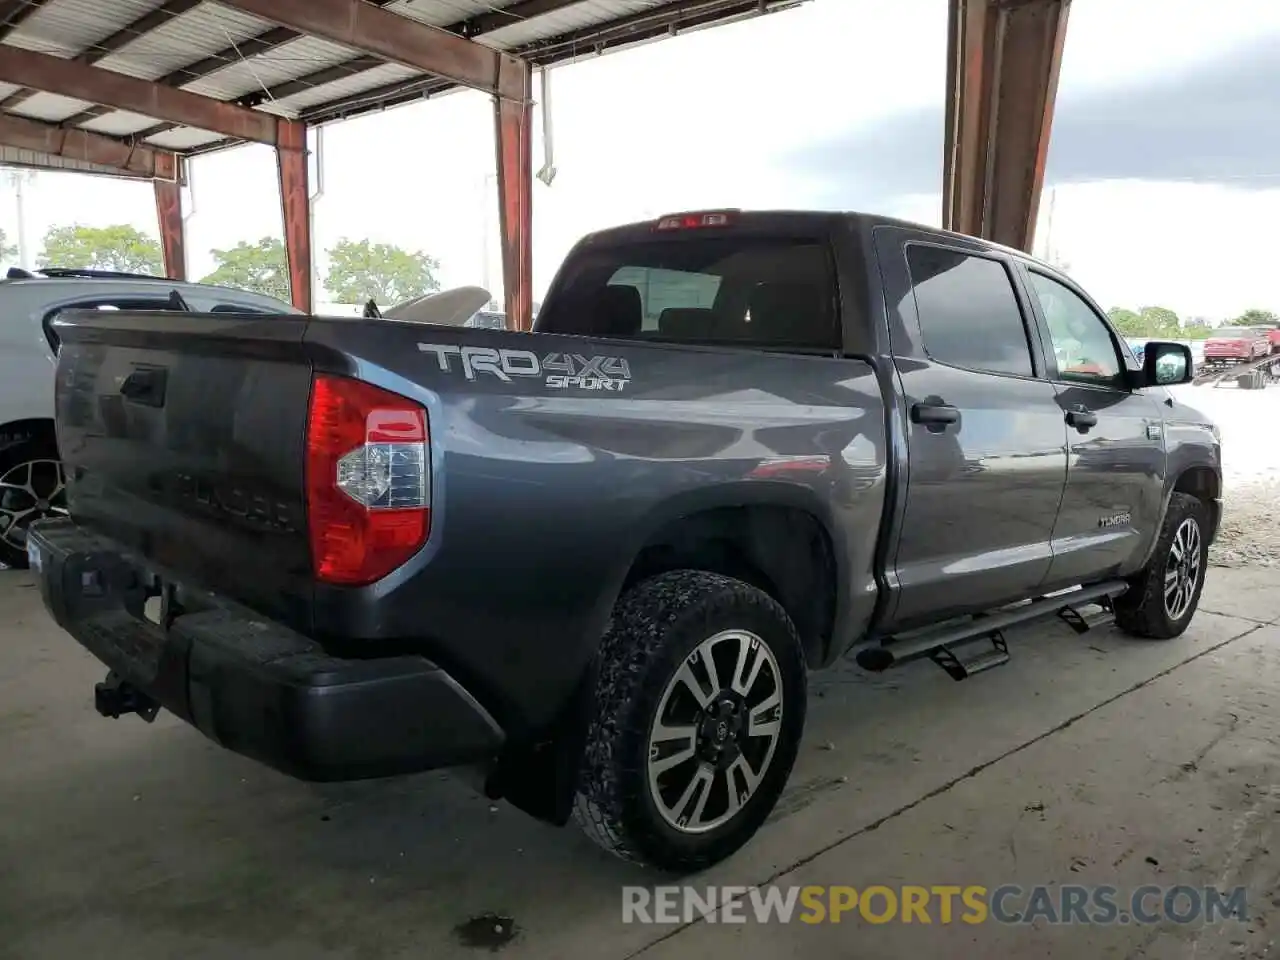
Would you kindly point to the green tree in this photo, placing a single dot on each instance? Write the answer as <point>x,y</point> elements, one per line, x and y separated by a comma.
<point>260,267</point>
<point>1256,318</point>
<point>1160,322</point>
<point>1126,322</point>
<point>7,250</point>
<point>360,271</point>
<point>117,247</point>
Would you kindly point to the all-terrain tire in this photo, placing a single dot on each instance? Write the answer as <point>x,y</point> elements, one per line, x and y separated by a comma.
<point>38,446</point>
<point>1142,611</point>
<point>656,627</point>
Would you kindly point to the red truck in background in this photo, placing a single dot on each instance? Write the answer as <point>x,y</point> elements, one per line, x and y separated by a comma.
<point>1231,345</point>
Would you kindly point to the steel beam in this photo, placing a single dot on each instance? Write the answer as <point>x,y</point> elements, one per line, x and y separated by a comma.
<point>80,81</point>
<point>476,26</point>
<point>513,123</point>
<point>397,39</point>
<point>173,240</point>
<point>126,159</point>
<point>1003,62</point>
<point>295,207</point>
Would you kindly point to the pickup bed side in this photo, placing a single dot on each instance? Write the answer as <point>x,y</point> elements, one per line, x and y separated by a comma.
<point>548,500</point>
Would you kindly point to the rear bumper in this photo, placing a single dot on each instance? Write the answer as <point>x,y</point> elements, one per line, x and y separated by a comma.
<point>255,686</point>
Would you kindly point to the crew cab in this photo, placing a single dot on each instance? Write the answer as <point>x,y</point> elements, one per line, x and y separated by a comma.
<point>596,562</point>
<point>1227,346</point>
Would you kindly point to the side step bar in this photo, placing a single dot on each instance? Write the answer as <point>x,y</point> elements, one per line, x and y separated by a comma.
<point>1084,622</point>
<point>940,645</point>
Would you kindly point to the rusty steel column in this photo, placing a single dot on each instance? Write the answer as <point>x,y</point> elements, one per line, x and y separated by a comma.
<point>173,240</point>
<point>1003,62</point>
<point>513,121</point>
<point>295,196</point>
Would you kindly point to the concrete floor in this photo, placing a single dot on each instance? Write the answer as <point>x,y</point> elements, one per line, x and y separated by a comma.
<point>1094,759</point>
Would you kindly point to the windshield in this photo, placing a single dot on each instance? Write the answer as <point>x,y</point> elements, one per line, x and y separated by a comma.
<point>1234,333</point>
<point>741,291</point>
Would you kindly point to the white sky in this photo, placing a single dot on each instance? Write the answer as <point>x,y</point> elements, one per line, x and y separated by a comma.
<point>694,122</point>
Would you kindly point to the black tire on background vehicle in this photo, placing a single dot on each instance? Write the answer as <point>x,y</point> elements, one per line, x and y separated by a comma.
<point>698,712</point>
<point>31,487</point>
<point>1163,597</point>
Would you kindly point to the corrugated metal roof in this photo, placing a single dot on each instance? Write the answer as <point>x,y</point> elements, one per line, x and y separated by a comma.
<point>357,83</point>
<point>438,13</point>
<point>119,123</point>
<point>196,34</point>
<point>184,138</point>
<point>559,22</point>
<point>286,62</point>
<point>49,106</point>
<point>68,27</point>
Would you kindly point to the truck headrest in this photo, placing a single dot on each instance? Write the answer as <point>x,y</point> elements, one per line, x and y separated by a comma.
<point>618,311</point>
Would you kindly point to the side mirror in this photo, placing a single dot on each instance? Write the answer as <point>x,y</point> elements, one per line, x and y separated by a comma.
<point>1164,364</point>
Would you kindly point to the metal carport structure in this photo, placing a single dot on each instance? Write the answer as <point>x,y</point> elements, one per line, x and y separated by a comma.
<point>134,87</point>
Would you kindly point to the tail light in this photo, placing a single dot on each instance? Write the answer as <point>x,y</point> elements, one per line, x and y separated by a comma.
<point>368,480</point>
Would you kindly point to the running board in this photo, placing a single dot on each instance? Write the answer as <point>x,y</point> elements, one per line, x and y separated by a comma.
<point>1082,622</point>
<point>959,669</point>
<point>940,645</point>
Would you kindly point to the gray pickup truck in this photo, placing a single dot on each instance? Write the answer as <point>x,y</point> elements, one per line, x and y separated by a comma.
<point>596,562</point>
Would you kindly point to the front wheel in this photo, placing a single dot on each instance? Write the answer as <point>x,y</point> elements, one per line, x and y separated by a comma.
<point>699,708</point>
<point>1162,598</point>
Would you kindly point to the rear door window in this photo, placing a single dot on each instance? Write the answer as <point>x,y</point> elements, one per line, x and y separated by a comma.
<point>969,314</point>
<point>771,293</point>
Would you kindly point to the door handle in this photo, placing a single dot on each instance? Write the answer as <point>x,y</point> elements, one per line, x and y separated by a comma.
<point>1082,419</point>
<point>934,413</point>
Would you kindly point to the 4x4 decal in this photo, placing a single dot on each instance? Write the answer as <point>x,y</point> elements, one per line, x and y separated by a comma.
<point>560,371</point>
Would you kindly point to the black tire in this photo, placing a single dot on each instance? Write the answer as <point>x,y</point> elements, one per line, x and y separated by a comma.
<point>37,447</point>
<point>657,626</point>
<point>1142,611</point>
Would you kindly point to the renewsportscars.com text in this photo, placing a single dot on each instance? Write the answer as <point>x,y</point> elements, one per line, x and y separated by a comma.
<point>940,904</point>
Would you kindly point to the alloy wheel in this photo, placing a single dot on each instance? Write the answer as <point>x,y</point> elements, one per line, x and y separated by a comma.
<point>1182,572</point>
<point>30,491</point>
<point>715,731</point>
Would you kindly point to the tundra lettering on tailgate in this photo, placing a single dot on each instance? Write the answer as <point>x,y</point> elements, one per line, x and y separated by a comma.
<point>560,371</point>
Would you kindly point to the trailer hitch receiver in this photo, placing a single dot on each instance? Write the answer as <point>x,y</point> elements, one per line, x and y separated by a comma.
<point>115,697</point>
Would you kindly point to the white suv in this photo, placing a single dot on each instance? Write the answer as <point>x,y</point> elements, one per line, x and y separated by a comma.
<point>30,472</point>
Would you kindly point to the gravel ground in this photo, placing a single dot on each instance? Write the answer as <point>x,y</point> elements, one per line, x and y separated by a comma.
<point>1250,535</point>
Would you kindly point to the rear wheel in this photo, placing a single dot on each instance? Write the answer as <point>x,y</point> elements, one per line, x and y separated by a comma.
<point>31,487</point>
<point>1163,597</point>
<point>699,708</point>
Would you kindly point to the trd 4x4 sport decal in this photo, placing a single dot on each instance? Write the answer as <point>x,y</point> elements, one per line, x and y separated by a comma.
<point>560,371</point>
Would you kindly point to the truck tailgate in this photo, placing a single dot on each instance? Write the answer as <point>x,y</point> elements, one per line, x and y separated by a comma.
<point>183,438</point>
